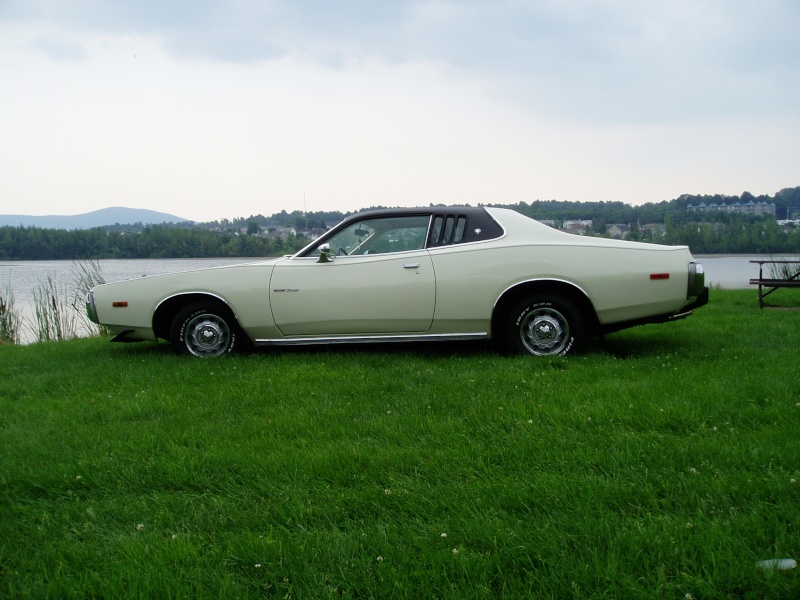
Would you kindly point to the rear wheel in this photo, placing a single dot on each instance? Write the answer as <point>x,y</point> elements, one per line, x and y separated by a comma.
<point>544,325</point>
<point>204,330</point>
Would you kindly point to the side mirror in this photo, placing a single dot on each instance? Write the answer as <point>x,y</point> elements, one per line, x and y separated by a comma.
<point>325,255</point>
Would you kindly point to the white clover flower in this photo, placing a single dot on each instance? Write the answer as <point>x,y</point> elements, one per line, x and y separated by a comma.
<point>387,491</point>
<point>140,527</point>
<point>456,552</point>
<point>379,559</point>
<point>258,565</point>
<point>444,535</point>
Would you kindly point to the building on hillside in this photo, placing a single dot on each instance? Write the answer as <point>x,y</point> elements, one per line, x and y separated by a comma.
<point>314,233</point>
<point>576,226</point>
<point>653,230</point>
<point>618,230</point>
<point>748,208</point>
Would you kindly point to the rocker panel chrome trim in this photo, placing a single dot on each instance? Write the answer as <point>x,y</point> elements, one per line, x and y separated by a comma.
<point>372,339</point>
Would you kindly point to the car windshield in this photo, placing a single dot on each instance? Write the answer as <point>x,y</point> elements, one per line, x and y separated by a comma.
<point>380,236</point>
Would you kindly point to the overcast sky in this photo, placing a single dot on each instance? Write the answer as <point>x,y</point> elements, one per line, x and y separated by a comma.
<point>219,109</point>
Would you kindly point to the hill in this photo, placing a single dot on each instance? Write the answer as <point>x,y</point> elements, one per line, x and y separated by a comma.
<point>97,218</point>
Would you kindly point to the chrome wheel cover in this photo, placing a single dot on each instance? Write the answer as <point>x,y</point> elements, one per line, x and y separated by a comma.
<point>544,331</point>
<point>207,334</point>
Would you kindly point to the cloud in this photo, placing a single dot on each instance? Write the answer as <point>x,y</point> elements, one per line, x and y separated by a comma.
<point>237,105</point>
<point>607,60</point>
<point>60,47</point>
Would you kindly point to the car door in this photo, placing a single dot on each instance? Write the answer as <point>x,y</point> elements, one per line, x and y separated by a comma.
<point>374,284</point>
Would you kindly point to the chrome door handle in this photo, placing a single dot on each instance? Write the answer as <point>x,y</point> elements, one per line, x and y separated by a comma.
<point>411,266</point>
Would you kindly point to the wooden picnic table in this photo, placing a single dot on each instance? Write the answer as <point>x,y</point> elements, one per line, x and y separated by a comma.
<point>771,282</point>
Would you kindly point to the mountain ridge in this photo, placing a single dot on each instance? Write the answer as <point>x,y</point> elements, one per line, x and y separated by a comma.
<point>97,218</point>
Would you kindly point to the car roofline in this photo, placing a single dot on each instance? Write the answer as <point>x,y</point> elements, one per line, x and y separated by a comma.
<point>401,212</point>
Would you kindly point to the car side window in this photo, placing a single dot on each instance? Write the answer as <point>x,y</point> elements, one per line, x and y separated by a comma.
<point>380,235</point>
<point>461,225</point>
<point>448,229</point>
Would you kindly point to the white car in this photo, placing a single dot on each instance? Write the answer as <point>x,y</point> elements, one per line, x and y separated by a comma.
<point>438,273</point>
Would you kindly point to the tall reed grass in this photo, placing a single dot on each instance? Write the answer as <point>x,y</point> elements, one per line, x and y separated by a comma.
<point>53,319</point>
<point>10,318</point>
<point>86,275</point>
<point>60,309</point>
<point>789,269</point>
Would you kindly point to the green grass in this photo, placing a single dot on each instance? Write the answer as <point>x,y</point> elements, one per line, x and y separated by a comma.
<point>661,463</point>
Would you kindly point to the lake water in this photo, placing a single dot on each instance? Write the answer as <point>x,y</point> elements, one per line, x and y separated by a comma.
<point>23,277</point>
<point>733,272</point>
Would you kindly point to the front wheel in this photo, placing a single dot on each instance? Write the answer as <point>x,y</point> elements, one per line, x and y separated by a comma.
<point>204,331</point>
<point>544,325</point>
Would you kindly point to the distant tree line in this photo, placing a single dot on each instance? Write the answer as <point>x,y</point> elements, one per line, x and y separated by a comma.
<point>159,241</point>
<point>787,205</point>
<point>715,232</point>
<point>296,219</point>
<point>254,236</point>
<point>734,234</point>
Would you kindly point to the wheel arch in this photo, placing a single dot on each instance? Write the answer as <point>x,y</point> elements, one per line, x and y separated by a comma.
<point>553,287</point>
<point>169,308</point>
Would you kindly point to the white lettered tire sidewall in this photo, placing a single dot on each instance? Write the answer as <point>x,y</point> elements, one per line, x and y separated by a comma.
<point>204,330</point>
<point>544,325</point>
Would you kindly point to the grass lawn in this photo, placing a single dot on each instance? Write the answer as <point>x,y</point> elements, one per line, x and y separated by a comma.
<point>661,463</point>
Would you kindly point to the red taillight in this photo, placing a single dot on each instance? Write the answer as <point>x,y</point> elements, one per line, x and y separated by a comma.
<point>659,275</point>
<point>121,304</point>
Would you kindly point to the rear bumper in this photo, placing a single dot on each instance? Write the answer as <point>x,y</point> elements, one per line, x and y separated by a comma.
<point>91,311</point>
<point>684,312</point>
<point>702,300</point>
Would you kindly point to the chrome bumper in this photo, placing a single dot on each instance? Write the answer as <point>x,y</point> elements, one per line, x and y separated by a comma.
<point>91,310</point>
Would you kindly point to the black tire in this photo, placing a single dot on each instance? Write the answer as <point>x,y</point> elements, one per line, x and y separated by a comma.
<point>205,330</point>
<point>544,325</point>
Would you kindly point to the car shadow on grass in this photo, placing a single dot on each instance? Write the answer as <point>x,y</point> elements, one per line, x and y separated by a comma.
<point>433,349</point>
<point>625,346</point>
<point>428,349</point>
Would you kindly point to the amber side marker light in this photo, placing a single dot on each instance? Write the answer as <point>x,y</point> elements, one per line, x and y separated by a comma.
<point>659,275</point>
<point>122,304</point>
